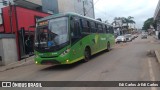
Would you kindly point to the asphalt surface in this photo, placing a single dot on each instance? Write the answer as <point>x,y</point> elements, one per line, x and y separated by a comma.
<point>125,62</point>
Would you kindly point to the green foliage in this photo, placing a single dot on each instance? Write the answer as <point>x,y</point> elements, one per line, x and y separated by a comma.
<point>128,20</point>
<point>147,23</point>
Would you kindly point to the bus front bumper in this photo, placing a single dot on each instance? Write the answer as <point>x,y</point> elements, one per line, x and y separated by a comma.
<point>50,61</point>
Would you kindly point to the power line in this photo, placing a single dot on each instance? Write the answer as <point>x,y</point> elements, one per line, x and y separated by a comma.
<point>105,13</point>
<point>96,2</point>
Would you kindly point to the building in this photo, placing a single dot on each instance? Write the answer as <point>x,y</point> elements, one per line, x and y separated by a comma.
<point>30,4</point>
<point>157,19</point>
<point>15,31</point>
<point>83,7</point>
<point>19,15</point>
<point>38,2</point>
<point>120,27</point>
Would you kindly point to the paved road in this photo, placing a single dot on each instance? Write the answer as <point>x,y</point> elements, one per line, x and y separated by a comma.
<point>126,62</point>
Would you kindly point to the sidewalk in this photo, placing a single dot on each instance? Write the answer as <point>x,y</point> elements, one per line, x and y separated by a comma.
<point>157,51</point>
<point>23,62</point>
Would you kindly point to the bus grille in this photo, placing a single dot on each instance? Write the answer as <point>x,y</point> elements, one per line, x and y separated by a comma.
<point>50,62</point>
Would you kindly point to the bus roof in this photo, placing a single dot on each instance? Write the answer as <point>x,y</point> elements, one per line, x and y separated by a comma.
<point>68,14</point>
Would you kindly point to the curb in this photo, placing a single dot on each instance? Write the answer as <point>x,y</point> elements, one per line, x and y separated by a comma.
<point>157,56</point>
<point>14,65</point>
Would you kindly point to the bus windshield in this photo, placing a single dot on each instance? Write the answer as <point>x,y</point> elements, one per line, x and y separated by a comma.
<point>52,35</point>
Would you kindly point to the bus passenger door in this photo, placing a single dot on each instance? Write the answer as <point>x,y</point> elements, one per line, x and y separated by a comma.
<point>94,37</point>
<point>76,40</point>
<point>101,39</point>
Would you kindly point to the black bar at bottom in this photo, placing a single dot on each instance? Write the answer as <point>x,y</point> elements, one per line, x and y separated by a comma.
<point>79,83</point>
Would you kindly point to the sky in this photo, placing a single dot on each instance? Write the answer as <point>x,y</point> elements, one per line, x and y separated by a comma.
<point>141,10</point>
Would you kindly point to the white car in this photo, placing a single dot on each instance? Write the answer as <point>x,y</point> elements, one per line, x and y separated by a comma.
<point>120,39</point>
<point>129,37</point>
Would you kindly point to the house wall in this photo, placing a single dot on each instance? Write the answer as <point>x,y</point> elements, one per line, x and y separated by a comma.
<point>1,28</point>
<point>50,6</point>
<point>21,17</point>
<point>39,2</point>
<point>66,6</point>
<point>8,49</point>
<point>27,17</point>
<point>18,18</point>
<point>77,7</point>
<point>62,6</point>
<point>9,18</point>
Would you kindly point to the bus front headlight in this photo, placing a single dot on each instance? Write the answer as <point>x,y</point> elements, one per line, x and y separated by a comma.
<point>65,52</point>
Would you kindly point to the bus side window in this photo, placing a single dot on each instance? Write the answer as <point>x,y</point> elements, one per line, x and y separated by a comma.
<point>75,31</point>
<point>93,27</point>
<point>85,26</point>
<point>104,28</point>
<point>107,29</point>
<point>100,29</point>
<point>110,29</point>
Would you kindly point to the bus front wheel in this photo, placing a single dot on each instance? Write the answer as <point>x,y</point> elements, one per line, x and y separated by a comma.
<point>87,55</point>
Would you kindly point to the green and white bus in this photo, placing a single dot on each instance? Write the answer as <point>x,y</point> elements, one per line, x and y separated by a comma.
<point>68,38</point>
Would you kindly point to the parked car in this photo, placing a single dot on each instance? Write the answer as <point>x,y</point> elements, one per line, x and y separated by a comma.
<point>135,36</point>
<point>132,37</point>
<point>129,37</point>
<point>120,39</point>
<point>144,35</point>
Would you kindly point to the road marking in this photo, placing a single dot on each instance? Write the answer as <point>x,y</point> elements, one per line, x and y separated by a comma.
<point>152,77</point>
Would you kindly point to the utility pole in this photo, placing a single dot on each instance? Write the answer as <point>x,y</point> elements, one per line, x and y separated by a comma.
<point>93,8</point>
<point>84,10</point>
<point>10,15</point>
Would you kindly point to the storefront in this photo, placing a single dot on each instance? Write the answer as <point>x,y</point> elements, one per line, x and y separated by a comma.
<point>17,20</point>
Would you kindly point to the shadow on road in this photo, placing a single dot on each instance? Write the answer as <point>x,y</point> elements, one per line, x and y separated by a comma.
<point>62,67</point>
<point>71,66</point>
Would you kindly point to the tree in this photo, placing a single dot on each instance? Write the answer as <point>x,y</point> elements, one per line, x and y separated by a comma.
<point>121,21</point>
<point>129,20</point>
<point>148,23</point>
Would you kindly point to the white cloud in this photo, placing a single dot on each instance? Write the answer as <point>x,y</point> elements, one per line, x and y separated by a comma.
<point>139,9</point>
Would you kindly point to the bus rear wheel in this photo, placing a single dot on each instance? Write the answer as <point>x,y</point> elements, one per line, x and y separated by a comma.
<point>87,55</point>
<point>108,47</point>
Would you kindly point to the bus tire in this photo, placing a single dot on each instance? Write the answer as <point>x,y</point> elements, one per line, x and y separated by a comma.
<point>108,47</point>
<point>87,54</point>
